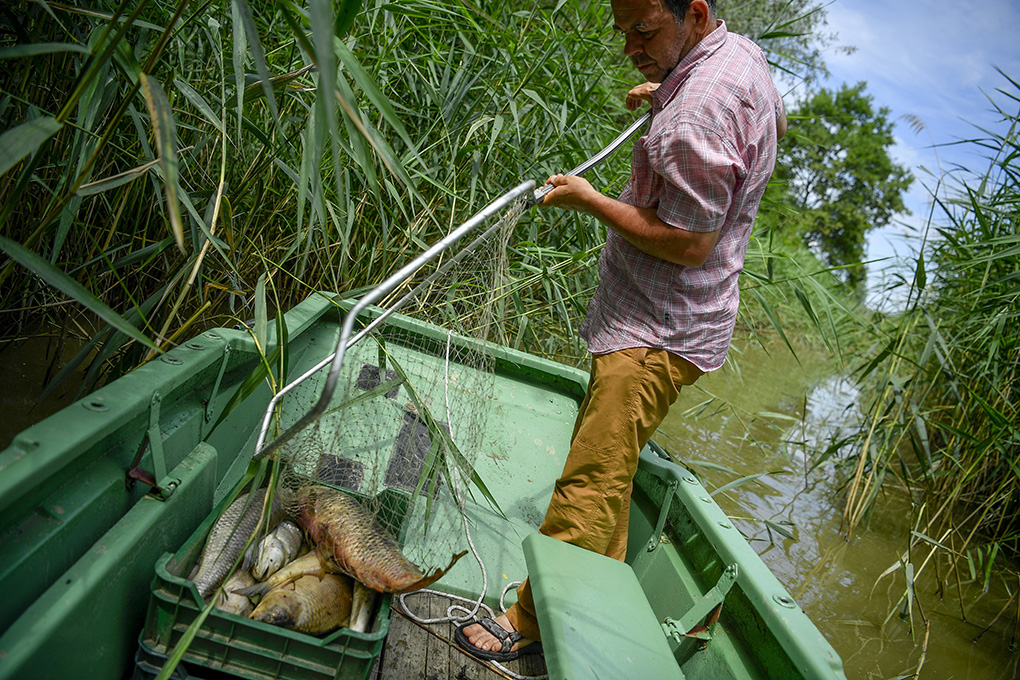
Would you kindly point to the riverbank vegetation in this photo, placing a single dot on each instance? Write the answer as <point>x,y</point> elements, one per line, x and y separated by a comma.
<point>942,379</point>
<point>182,158</point>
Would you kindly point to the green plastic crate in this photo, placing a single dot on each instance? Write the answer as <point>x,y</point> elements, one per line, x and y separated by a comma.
<point>241,646</point>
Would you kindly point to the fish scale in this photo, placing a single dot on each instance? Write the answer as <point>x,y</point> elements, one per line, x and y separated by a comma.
<point>348,535</point>
<point>311,604</point>
<point>229,535</point>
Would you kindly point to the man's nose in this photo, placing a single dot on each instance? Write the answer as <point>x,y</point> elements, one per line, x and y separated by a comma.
<point>633,44</point>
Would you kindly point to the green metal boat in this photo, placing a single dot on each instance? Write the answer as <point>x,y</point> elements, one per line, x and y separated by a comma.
<point>82,541</point>
<point>105,506</point>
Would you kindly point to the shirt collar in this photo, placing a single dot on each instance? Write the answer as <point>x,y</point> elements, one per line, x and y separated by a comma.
<point>704,49</point>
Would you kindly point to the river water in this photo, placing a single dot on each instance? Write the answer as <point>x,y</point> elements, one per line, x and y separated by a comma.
<point>763,415</point>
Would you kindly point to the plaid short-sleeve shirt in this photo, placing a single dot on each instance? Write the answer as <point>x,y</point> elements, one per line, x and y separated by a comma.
<point>704,164</point>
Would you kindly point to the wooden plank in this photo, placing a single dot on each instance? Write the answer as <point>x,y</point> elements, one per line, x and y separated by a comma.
<point>403,655</point>
<point>427,651</point>
<point>437,650</point>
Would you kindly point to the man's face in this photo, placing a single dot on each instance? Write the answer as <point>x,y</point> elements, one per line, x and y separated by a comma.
<point>654,41</point>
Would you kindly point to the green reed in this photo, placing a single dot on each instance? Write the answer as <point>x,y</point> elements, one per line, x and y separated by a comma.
<point>179,152</point>
<point>943,383</point>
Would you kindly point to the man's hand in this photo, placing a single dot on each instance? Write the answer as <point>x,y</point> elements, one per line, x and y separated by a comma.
<point>641,93</point>
<point>572,192</point>
<point>640,226</point>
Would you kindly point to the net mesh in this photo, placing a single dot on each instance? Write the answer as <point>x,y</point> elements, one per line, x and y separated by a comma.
<point>408,418</point>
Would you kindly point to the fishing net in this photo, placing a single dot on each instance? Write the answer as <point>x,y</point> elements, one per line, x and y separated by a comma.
<point>408,417</point>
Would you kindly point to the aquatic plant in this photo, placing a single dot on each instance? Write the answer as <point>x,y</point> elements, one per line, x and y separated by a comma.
<point>181,152</point>
<point>943,377</point>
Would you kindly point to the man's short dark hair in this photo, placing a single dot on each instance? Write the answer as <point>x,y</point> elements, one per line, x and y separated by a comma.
<point>678,8</point>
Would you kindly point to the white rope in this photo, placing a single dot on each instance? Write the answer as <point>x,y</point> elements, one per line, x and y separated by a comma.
<point>468,614</point>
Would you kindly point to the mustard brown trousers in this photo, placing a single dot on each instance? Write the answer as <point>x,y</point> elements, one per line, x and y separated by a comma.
<point>629,394</point>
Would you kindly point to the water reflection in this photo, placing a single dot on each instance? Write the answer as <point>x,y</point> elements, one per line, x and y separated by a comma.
<point>773,422</point>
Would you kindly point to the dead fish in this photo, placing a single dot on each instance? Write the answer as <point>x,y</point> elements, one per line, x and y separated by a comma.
<point>279,547</point>
<point>307,564</point>
<point>311,604</point>
<point>229,601</point>
<point>345,534</point>
<point>229,536</point>
<point>362,601</point>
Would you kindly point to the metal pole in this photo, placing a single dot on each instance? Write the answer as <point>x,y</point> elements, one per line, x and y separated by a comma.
<point>345,340</point>
<point>597,158</point>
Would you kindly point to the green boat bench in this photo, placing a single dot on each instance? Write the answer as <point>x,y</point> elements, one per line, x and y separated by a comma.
<point>596,621</point>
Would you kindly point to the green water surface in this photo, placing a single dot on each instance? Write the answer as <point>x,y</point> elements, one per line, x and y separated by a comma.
<point>759,415</point>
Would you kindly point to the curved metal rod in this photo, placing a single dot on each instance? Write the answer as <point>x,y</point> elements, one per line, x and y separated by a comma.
<point>345,340</point>
<point>596,159</point>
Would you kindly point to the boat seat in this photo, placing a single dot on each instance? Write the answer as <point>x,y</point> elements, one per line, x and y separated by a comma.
<point>596,621</point>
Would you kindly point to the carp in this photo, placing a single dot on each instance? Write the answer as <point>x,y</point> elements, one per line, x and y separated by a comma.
<point>230,535</point>
<point>307,564</point>
<point>349,539</point>
<point>279,547</point>
<point>311,604</point>
<point>228,600</point>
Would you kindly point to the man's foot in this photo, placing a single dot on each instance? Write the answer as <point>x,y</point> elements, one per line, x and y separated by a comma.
<point>495,639</point>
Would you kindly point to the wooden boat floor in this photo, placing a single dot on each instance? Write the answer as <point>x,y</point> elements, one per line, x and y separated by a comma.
<point>416,651</point>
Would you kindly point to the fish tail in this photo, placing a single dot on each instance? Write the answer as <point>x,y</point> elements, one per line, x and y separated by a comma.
<point>429,579</point>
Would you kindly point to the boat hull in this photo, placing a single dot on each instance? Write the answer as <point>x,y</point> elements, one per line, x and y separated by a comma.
<point>80,543</point>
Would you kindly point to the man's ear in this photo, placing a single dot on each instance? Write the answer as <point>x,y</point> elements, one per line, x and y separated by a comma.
<point>699,15</point>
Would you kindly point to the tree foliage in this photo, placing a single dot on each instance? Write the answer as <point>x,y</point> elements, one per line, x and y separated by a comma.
<point>793,33</point>
<point>840,176</point>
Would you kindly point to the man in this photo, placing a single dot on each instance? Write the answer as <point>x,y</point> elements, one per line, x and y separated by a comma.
<point>666,304</point>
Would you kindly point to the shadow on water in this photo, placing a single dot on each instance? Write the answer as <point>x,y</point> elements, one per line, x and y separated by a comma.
<point>767,415</point>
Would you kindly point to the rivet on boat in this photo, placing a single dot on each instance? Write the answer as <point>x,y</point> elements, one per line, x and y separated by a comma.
<point>95,404</point>
<point>785,601</point>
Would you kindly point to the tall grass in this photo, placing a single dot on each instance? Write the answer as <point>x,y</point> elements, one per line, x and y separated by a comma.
<point>159,159</point>
<point>944,379</point>
<point>182,151</point>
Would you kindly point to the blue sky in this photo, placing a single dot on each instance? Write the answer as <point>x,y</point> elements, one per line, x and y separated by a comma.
<point>933,59</point>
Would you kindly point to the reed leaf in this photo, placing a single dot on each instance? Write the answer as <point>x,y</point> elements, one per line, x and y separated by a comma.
<point>24,139</point>
<point>34,49</point>
<point>65,284</point>
<point>166,144</point>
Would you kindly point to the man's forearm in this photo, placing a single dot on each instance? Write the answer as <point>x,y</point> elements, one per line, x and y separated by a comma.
<point>643,229</point>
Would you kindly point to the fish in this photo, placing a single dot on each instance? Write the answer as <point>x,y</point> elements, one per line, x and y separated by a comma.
<point>348,539</point>
<point>228,600</point>
<point>362,602</point>
<point>279,547</point>
<point>311,604</point>
<point>306,565</point>
<point>230,534</point>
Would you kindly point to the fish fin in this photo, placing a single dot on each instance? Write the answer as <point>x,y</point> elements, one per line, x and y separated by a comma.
<point>249,557</point>
<point>252,591</point>
<point>428,580</point>
<point>324,563</point>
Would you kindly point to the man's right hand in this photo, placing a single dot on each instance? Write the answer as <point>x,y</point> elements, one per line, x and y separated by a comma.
<point>641,93</point>
<point>571,192</point>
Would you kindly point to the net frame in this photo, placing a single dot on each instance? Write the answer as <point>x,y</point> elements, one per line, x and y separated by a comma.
<point>433,438</point>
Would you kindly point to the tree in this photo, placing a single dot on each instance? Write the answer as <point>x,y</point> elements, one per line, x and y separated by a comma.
<point>791,32</point>
<point>840,176</point>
